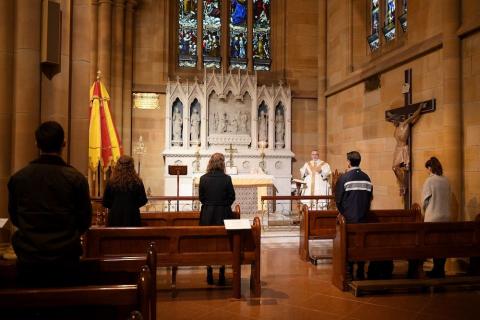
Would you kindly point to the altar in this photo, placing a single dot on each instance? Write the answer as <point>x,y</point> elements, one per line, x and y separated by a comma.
<point>230,114</point>
<point>249,189</point>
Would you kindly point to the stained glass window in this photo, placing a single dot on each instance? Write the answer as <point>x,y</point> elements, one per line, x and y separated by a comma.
<point>211,33</point>
<point>375,16</point>
<point>389,28</point>
<point>187,33</point>
<point>261,35</point>
<point>248,37</point>
<point>238,34</point>
<point>373,39</point>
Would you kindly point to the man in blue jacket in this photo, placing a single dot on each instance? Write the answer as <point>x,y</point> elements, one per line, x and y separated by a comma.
<point>353,195</point>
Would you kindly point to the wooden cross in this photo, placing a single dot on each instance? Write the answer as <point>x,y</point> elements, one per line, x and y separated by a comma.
<point>231,151</point>
<point>403,113</point>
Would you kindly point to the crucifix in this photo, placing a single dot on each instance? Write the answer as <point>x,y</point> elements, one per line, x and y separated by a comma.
<point>231,151</point>
<point>404,118</point>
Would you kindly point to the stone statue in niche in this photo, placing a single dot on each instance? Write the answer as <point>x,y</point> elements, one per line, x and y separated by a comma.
<point>222,123</point>
<point>194,125</point>
<point>215,123</point>
<point>233,128</point>
<point>243,122</point>
<point>177,123</point>
<point>262,127</point>
<point>279,129</point>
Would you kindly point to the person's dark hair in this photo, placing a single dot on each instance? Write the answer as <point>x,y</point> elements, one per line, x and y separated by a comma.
<point>50,137</point>
<point>216,163</point>
<point>354,158</point>
<point>123,176</point>
<point>434,164</point>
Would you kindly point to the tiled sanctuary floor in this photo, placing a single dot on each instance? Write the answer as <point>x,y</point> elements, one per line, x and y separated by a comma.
<point>294,289</point>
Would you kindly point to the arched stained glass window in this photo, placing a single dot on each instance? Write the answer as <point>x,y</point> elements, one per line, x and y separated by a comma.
<point>261,35</point>
<point>373,38</point>
<point>238,34</point>
<point>375,16</point>
<point>389,28</point>
<point>211,33</point>
<point>243,26</point>
<point>187,33</point>
<point>383,19</point>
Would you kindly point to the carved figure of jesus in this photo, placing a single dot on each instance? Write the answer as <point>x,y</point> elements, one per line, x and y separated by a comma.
<point>401,155</point>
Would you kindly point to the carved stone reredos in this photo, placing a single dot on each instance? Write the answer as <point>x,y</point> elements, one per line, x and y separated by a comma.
<point>229,109</point>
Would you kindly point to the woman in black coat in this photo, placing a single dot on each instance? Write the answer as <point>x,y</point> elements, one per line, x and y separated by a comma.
<point>124,195</point>
<point>217,196</point>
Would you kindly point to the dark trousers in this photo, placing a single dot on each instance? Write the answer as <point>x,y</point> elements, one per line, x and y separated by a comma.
<point>360,274</point>
<point>439,265</point>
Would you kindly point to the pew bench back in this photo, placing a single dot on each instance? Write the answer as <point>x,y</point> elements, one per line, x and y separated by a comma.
<point>178,218</point>
<point>57,301</point>
<point>321,224</point>
<point>406,240</point>
<point>179,246</point>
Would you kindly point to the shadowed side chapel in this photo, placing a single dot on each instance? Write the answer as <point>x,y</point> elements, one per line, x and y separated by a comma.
<point>264,82</point>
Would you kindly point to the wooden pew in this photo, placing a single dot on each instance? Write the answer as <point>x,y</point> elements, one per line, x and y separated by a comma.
<point>129,264</point>
<point>15,302</point>
<point>100,213</point>
<point>112,275</point>
<point>180,218</point>
<point>321,224</point>
<point>184,246</point>
<point>163,219</point>
<point>403,241</point>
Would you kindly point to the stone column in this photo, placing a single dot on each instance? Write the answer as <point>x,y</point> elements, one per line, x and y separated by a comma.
<point>117,64</point>
<point>105,40</point>
<point>55,80</point>
<point>6,98</point>
<point>452,105</point>
<point>93,22</point>
<point>82,70</point>
<point>128,77</point>
<point>250,38</point>
<point>322,77</point>
<point>26,84</point>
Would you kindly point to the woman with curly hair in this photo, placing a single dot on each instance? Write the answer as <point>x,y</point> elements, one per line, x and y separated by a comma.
<point>217,196</point>
<point>124,194</point>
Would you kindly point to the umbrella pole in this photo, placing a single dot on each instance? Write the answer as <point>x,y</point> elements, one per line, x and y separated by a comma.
<point>98,184</point>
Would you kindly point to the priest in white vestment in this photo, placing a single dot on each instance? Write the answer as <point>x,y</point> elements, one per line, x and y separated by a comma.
<point>316,174</point>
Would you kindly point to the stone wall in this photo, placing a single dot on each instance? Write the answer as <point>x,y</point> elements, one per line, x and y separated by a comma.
<point>471,121</point>
<point>355,118</point>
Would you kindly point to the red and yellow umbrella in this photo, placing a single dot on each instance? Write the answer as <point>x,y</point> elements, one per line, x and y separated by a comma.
<point>104,145</point>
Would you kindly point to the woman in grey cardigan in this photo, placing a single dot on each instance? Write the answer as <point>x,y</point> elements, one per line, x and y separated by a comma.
<point>436,196</point>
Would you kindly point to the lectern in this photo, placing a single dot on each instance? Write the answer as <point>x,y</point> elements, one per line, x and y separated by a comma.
<point>178,170</point>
